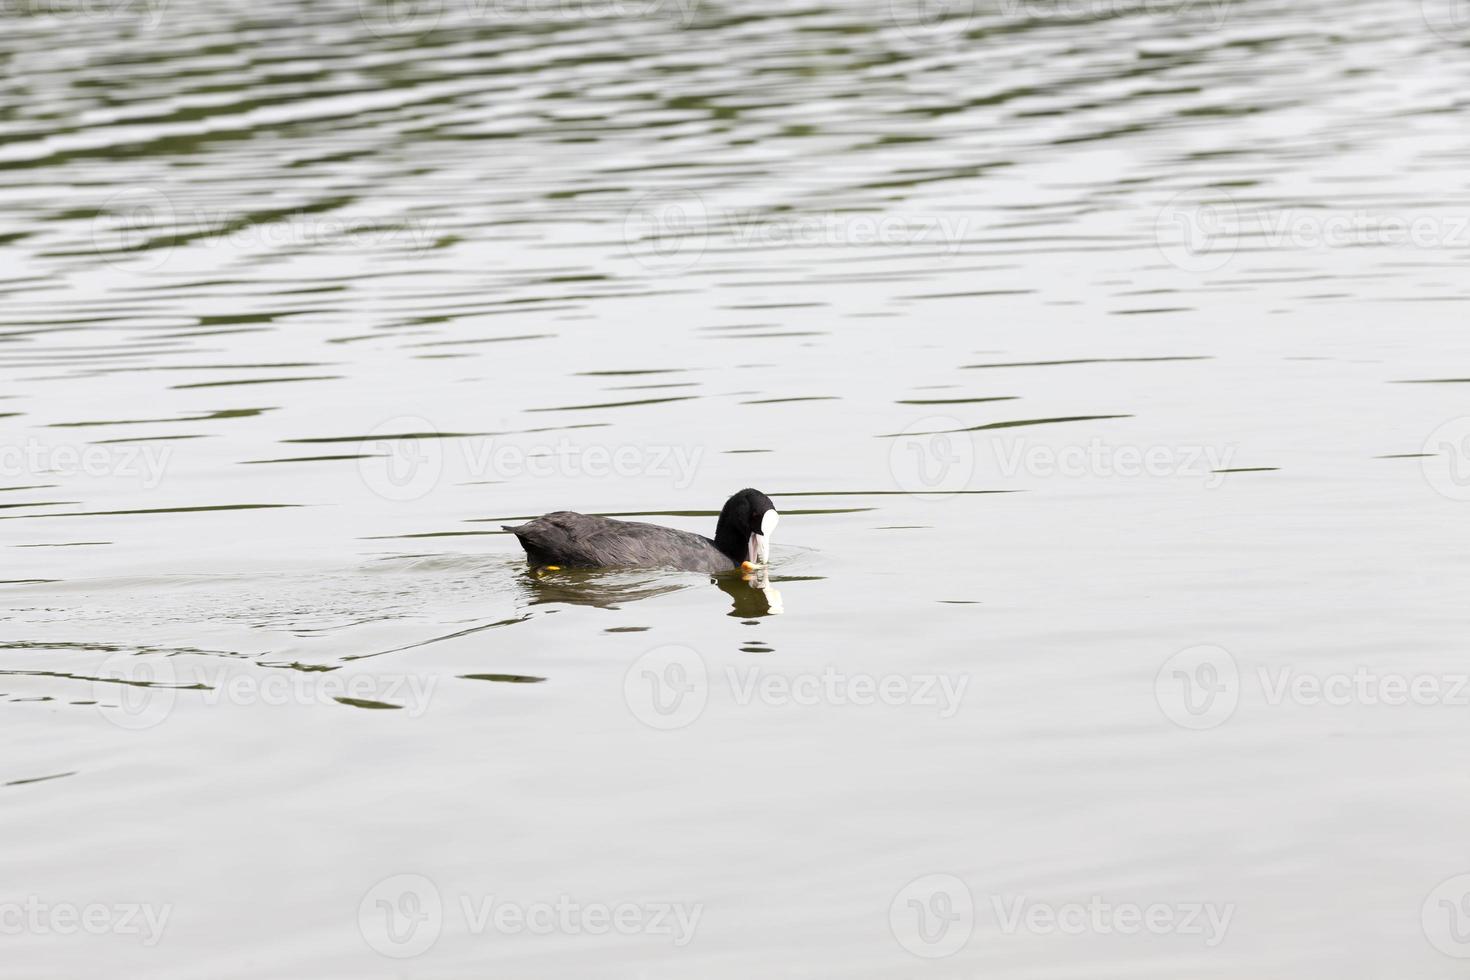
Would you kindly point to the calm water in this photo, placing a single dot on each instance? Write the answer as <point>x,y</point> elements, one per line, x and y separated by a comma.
<point>1089,349</point>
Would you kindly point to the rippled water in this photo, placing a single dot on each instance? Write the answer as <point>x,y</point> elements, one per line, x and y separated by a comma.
<point>1105,360</point>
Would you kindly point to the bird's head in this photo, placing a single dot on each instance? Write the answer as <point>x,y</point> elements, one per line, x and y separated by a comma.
<point>747,522</point>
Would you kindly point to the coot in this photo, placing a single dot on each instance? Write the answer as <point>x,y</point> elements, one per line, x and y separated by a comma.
<point>568,540</point>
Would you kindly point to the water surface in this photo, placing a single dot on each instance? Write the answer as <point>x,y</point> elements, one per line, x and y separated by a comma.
<point>1067,337</point>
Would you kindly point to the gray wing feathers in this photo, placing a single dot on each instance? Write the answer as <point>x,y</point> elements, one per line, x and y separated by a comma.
<point>584,541</point>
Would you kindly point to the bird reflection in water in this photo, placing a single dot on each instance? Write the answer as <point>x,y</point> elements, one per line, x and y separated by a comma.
<point>753,593</point>
<point>596,587</point>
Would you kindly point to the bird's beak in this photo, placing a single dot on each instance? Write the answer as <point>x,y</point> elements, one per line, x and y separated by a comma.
<point>760,549</point>
<point>760,542</point>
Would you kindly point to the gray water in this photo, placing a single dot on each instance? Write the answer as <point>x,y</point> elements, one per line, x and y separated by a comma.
<point>1105,359</point>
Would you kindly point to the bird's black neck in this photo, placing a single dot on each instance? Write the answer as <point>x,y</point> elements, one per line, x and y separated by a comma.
<point>731,542</point>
